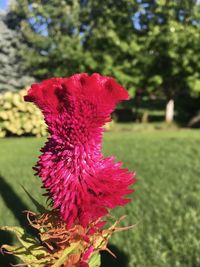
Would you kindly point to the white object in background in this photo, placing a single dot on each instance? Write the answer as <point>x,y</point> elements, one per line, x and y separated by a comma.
<point>169,111</point>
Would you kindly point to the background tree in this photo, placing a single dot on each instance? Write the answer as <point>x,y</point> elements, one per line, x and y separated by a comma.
<point>65,37</point>
<point>12,72</point>
<point>51,31</point>
<point>149,46</point>
<point>111,39</point>
<point>171,49</point>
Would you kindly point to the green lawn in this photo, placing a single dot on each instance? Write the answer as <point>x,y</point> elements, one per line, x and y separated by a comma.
<point>165,205</point>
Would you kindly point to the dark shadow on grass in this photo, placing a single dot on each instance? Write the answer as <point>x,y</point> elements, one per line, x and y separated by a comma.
<point>108,260</point>
<point>5,259</point>
<point>15,204</point>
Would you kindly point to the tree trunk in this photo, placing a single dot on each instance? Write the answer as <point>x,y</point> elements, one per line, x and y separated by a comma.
<point>169,114</point>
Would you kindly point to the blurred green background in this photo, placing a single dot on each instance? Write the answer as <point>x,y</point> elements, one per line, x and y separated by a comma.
<point>150,47</point>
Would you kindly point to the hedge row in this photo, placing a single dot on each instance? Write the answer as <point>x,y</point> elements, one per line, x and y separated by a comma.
<point>18,117</point>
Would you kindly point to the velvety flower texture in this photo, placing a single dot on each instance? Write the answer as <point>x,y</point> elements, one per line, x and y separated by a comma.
<point>82,183</point>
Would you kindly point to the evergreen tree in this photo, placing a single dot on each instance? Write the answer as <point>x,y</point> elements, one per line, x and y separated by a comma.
<point>12,71</point>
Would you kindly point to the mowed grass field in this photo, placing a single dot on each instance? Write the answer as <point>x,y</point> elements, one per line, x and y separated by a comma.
<point>165,206</point>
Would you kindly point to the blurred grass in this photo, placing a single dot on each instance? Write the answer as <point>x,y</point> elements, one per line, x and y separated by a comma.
<point>141,127</point>
<point>165,205</point>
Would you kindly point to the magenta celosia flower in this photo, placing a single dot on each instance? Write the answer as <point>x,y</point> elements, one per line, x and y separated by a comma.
<point>81,182</point>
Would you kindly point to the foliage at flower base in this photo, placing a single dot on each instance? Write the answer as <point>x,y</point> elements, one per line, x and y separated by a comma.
<point>56,246</point>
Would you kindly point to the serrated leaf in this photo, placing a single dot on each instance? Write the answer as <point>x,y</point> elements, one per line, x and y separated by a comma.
<point>9,248</point>
<point>21,235</point>
<point>29,251</point>
<point>20,252</point>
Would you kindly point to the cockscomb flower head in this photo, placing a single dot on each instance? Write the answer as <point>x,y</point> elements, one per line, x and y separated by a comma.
<point>82,183</point>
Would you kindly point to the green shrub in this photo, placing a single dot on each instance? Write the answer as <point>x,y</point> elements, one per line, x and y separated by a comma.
<point>18,117</point>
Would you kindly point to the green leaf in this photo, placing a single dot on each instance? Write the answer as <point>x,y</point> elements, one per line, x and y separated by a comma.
<point>24,255</point>
<point>23,238</point>
<point>69,250</point>
<point>95,260</point>
<point>29,251</point>
<point>39,207</point>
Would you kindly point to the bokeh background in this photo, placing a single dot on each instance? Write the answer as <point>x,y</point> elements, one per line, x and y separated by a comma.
<point>150,47</point>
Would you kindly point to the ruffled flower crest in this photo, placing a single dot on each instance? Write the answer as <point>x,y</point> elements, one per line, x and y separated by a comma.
<point>82,184</point>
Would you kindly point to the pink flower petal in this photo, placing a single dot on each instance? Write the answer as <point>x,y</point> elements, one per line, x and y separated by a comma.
<point>81,182</point>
